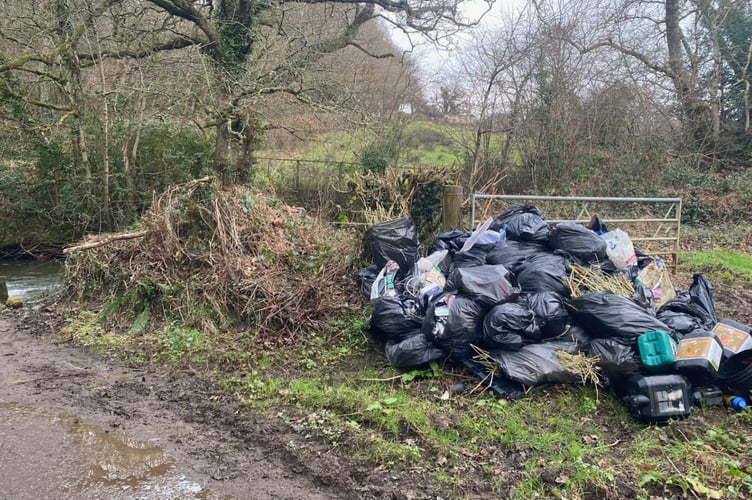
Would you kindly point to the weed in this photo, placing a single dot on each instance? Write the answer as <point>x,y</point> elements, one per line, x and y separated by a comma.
<point>180,342</point>
<point>86,330</point>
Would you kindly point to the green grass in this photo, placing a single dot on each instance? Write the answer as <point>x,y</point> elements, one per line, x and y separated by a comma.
<point>719,264</point>
<point>335,389</point>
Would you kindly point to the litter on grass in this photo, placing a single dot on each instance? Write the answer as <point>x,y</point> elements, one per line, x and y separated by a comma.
<point>523,304</point>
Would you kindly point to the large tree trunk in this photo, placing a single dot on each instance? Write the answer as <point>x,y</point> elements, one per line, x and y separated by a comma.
<point>697,114</point>
<point>237,139</point>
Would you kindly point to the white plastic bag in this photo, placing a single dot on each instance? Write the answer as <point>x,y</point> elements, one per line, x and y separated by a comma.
<point>427,280</point>
<point>383,285</point>
<point>619,249</point>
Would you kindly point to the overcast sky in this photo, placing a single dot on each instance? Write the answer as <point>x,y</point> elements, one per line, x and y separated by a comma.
<point>428,56</point>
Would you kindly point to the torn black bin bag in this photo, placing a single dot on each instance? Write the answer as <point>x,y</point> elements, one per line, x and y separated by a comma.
<point>643,297</point>
<point>550,312</point>
<point>394,318</point>
<point>696,303</point>
<point>596,224</point>
<point>501,386</point>
<point>578,241</point>
<point>412,352</point>
<point>488,285</point>
<point>528,227</point>
<point>510,212</point>
<point>455,323</point>
<point>395,240</point>
<point>512,253</point>
<point>608,315</point>
<point>544,272</point>
<point>510,326</point>
<point>536,364</point>
<point>453,241</point>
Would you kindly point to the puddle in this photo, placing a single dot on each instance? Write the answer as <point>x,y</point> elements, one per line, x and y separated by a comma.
<point>113,465</point>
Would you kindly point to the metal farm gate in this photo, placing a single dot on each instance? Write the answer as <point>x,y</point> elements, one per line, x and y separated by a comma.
<point>653,224</point>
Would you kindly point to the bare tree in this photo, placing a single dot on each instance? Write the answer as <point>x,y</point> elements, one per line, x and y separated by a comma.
<point>251,50</point>
<point>678,42</point>
<point>485,69</point>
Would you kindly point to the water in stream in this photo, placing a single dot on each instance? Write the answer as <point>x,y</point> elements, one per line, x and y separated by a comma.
<point>31,281</point>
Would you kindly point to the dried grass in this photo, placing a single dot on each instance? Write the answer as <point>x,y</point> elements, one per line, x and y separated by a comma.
<point>582,280</point>
<point>227,258</point>
<point>585,367</point>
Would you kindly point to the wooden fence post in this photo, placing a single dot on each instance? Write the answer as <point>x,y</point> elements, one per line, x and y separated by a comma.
<point>451,211</point>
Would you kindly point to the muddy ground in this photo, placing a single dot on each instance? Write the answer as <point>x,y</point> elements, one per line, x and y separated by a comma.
<point>75,426</point>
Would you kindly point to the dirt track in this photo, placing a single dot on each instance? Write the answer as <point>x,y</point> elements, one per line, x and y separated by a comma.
<point>74,426</point>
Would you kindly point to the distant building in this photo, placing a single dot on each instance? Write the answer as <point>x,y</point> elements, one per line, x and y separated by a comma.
<point>459,119</point>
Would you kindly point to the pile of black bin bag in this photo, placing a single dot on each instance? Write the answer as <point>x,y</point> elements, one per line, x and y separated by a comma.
<point>510,300</point>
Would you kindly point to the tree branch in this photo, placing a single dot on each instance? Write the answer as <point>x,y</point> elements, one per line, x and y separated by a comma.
<point>659,68</point>
<point>89,60</point>
<point>63,47</point>
<point>185,10</point>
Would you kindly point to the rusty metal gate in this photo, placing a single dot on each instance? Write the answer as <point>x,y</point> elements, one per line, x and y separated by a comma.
<point>653,224</point>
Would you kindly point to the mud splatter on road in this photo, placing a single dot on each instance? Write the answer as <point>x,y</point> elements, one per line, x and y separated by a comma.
<point>73,426</point>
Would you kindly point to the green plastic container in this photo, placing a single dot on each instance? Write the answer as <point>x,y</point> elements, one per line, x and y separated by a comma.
<point>657,350</point>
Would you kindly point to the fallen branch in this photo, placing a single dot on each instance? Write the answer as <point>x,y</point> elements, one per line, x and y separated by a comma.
<point>106,240</point>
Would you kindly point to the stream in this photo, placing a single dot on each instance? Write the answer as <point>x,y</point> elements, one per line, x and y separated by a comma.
<point>32,281</point>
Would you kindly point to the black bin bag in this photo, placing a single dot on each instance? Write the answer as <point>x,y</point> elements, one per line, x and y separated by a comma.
<point>578,241</point>
<point>510,326</point>
<point>366,277</point>
<point>618,358</point>
<point>544,272</point>
<point>474,257</point>
<point>682,322</point>
<point>489,285</point>
<point>395,240</point>
<point>608,315</point>
<point>455,323</point>
<point>394,318</point>
<point>536,364</point>
<point>575,334</point>
<point>692,307</point>
<point>450,240</point>
<point>528,227</point>
<point>550,312</point>
<point>412,352</point>
<point>511,253</point>
<point>512,211</point>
